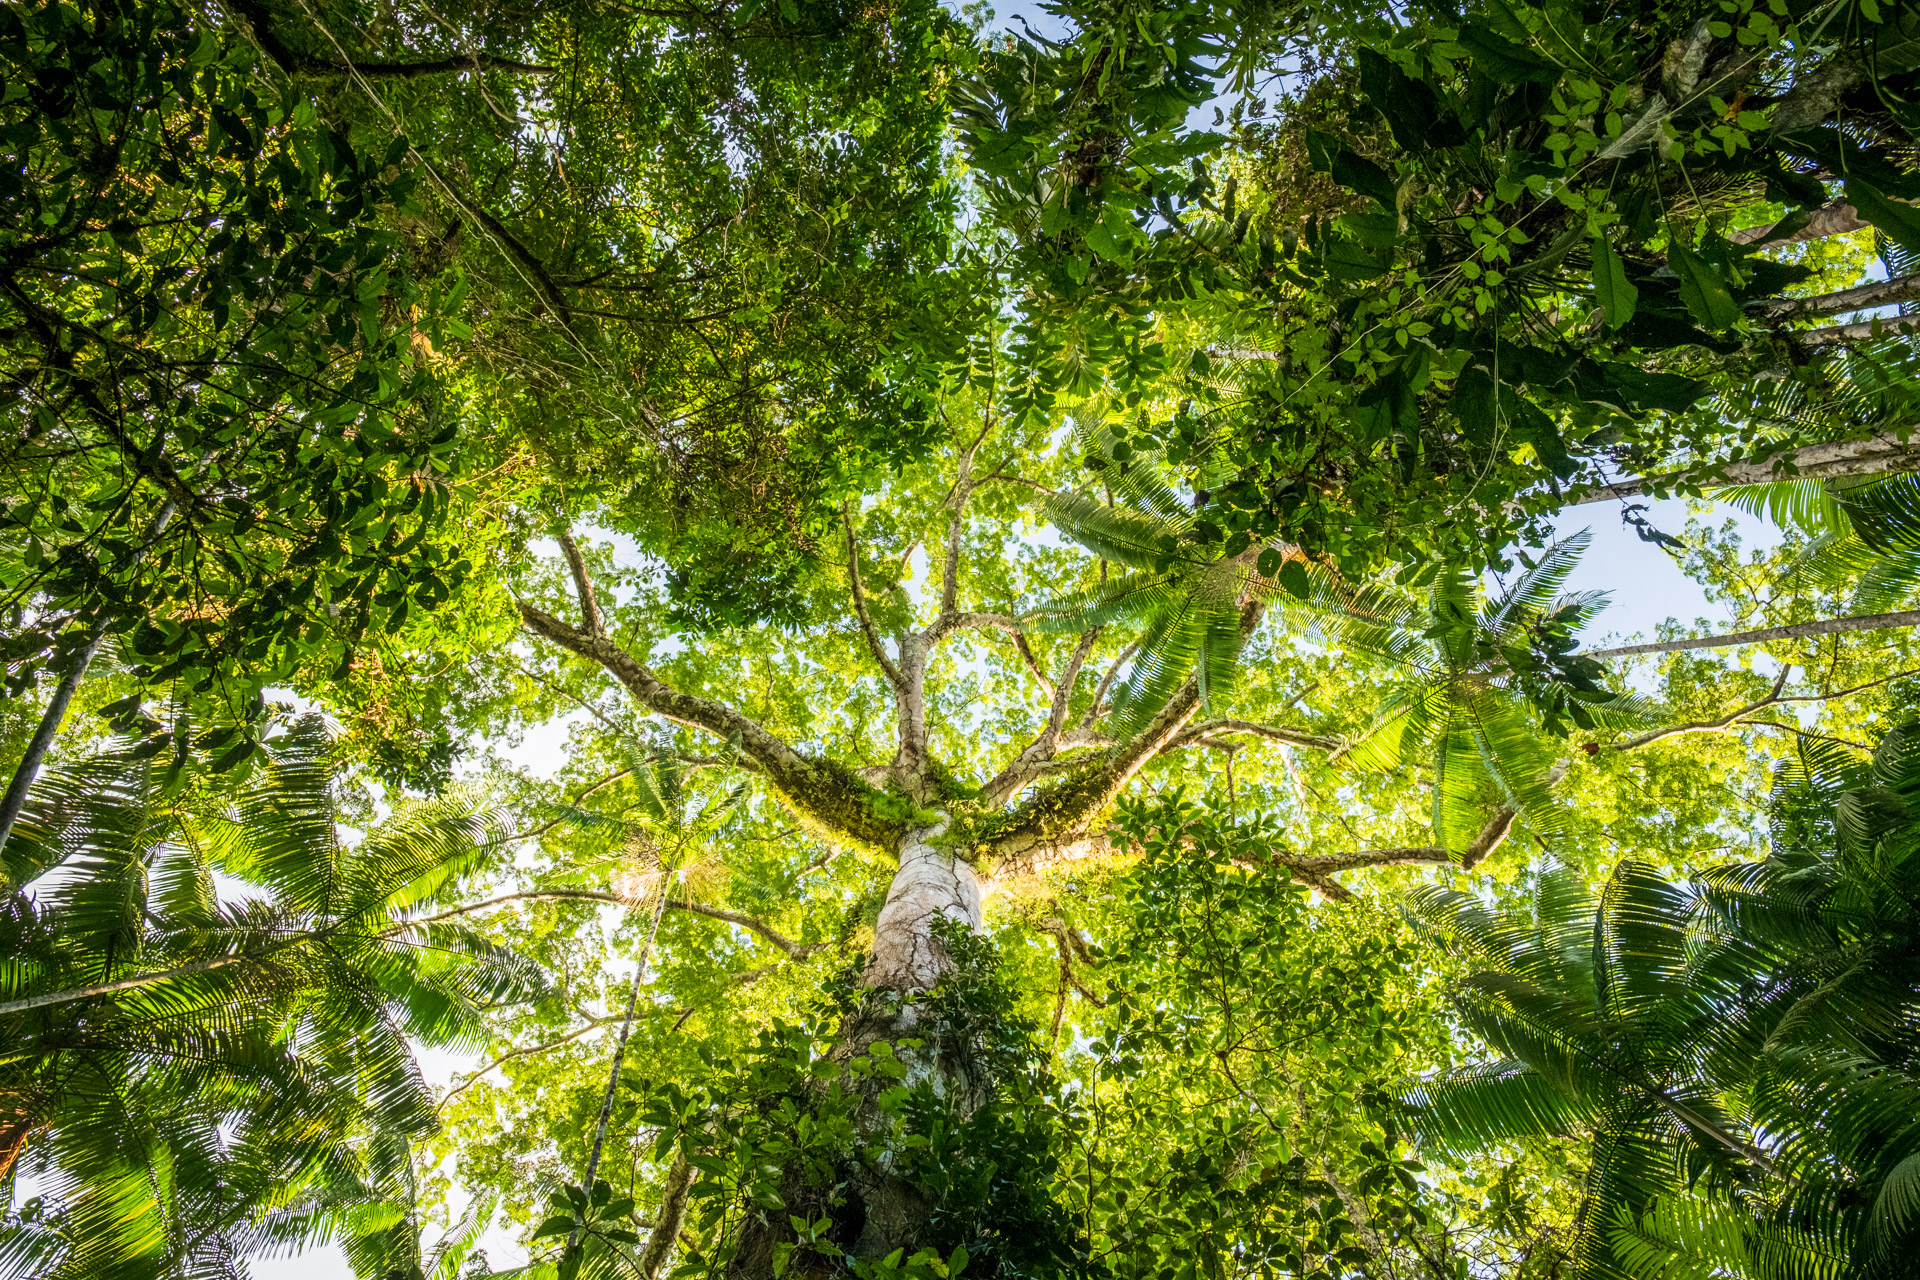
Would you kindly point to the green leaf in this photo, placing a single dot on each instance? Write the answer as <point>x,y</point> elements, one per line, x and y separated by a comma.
<point>1703,290</point>
<point>1610,284</point>
<point>1293,577</point>
<point>1505,61</point>
<point>1898,221</point>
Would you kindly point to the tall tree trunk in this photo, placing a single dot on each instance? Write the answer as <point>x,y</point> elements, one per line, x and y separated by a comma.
<point>28,769</point>
<point>881,1209</point>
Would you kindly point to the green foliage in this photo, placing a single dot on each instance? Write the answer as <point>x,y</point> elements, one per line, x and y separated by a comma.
<point>1488,258</point>
<point>200,1074</point>
<point>221,445</point>
<point>1733,1044</point>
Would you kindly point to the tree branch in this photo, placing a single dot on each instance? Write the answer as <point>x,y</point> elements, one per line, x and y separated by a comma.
<point>1094,709</point>
<point>1051,825</point>
<point>956,525</point>
<point>874,646</point>
<point>1884,452</point>
<point>821,790</point>
<point>1876,293</point>
<point>1833,220</point>
<point>582,584</point>
<point>1212,729</point>
<point>1822,627</point>
<point>1860,331</point>
<point>1773,698</point>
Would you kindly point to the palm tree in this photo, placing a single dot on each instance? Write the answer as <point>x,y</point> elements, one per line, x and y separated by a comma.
<point>198,1074</point>
<point>1864,532</point>
<point>1491,671</point>
<point>1739,1052</point>
<point>1477,670</point>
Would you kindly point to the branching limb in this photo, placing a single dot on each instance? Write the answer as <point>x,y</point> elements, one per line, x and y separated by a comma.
<point>1833,220</point>
<point>582,585</point>
<point>1736,718</point>
<point>1211,729</point>
<point>978,621</point>
<point>879,652</point>
<point>833,797</point>
<point>1052,824</point>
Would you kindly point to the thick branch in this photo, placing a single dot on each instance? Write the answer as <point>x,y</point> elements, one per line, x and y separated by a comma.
<point>1834,220</point>
<point>302,64</point>
<point>1822,627</point>
<point>1212,729</point>
<point>820,790</point>
<point>1872,456</point>
<point>1875,293</point>
<point>1860,331</point>
<point>582,585</point>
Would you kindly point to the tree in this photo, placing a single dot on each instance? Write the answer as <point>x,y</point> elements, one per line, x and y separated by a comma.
<point>1041,805</point>
<point>195,1075</point>
<point>1482,260</point>
<point>1726,1044</point>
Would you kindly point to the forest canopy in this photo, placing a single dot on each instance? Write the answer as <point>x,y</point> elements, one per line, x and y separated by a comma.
<point>863,638</point>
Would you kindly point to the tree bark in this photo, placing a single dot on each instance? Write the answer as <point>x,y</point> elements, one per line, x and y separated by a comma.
<point>1875,455</point>
<point>881,1209</point>
<point>1875,293</point>
<point>1860,331</point>
<point>673,1212</point>
<point>1834,220</point>
<point>1823,627</point>
<point>931,882</point>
